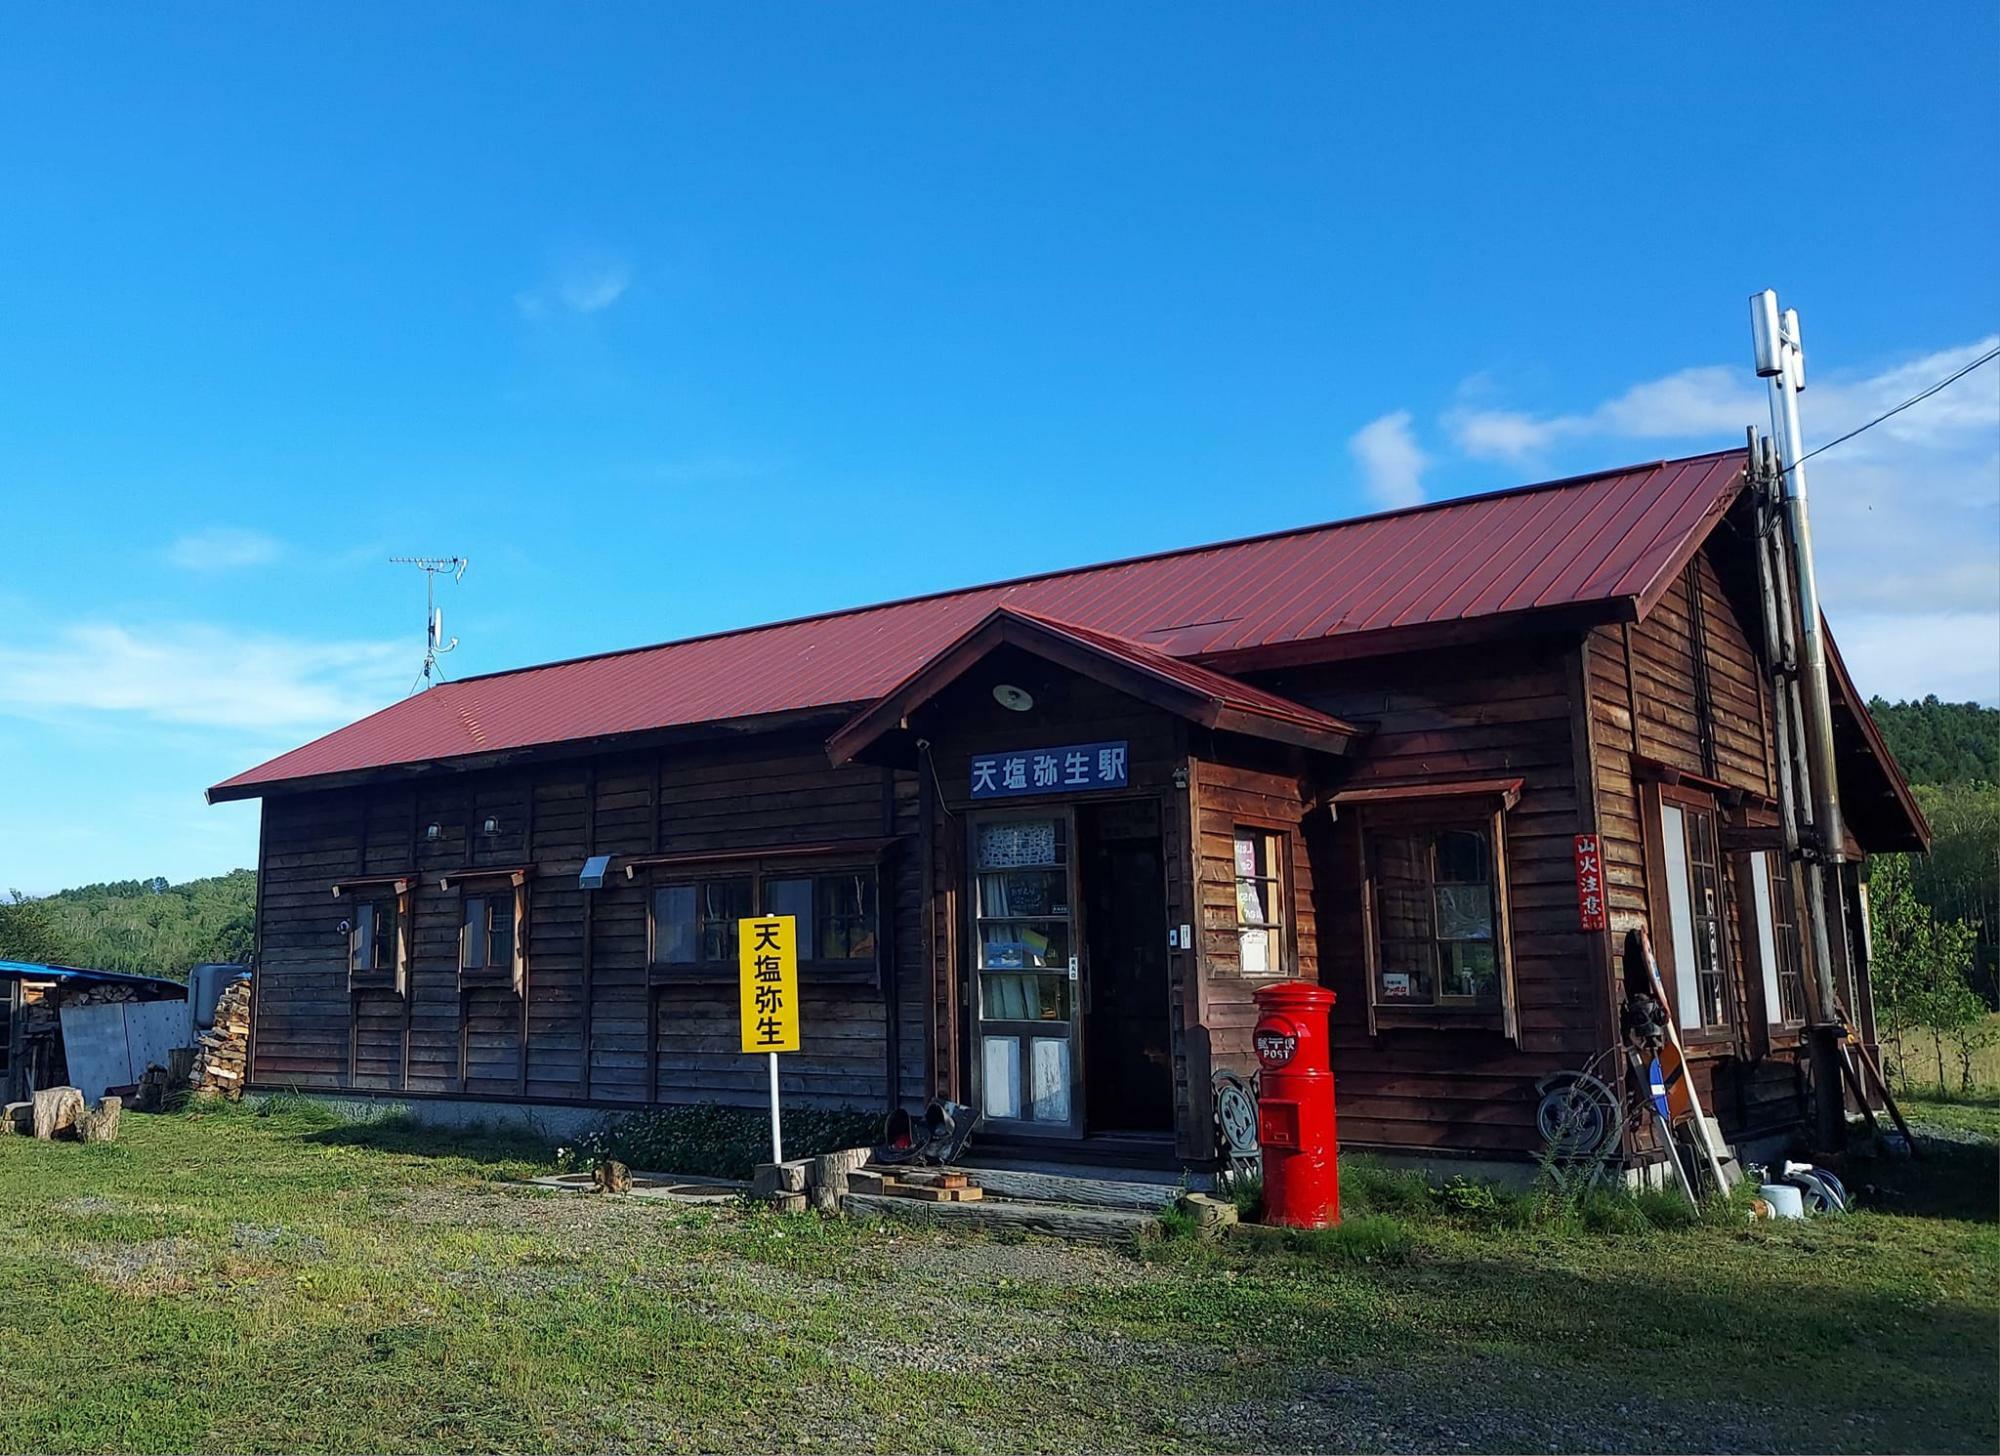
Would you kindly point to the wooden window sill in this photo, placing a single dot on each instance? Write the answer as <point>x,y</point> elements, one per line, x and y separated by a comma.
<point>1440,1018</point>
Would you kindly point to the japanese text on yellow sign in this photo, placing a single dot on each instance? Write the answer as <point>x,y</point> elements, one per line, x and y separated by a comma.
<point>767,952</point>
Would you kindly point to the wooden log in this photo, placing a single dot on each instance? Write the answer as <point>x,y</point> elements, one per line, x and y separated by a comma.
<point>56,1109</point>
<point>786,1177</point>
<point>783,1202</point>
<point>1210,1213</point>
<point>100,1124</point>
<point>1094,1225</point>
<point>828,1183</point>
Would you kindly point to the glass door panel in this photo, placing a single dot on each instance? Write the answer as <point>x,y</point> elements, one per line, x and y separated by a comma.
<point>1024,941</point>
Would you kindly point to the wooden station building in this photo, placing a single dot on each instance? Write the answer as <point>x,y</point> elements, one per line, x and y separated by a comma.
<point>1046,837</point>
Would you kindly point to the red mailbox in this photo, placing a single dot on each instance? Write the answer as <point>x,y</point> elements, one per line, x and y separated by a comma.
<point>1295,1120</point>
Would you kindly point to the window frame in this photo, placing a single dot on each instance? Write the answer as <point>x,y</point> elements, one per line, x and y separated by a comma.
<point>756,873</point>
<point>511,889</point>
<point>1691,801</point>
<point>1276,840</point>
<point>372,898</point>
<point>1431,817</point>
<point>1779,928</point>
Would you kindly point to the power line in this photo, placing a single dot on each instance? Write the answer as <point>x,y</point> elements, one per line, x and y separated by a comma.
<point>1987,358</point>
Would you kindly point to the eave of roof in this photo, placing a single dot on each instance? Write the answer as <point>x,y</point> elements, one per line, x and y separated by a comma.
<point>1877,748</point>
<point>1188,689</point>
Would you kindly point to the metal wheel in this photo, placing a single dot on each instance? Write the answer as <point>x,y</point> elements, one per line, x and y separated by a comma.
<point>1236,1115</point>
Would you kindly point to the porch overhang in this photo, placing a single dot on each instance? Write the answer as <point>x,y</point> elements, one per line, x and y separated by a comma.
<point>1199,694</point>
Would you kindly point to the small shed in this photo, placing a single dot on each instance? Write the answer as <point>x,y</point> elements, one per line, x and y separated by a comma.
<point>113,1018</point>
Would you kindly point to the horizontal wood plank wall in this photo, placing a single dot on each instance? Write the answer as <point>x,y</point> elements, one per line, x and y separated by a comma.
<point>589,1026</point>
<point>302,1011</point>
<point>1239,783</point>
<point>1642,686</point>
<point>1501,711</point>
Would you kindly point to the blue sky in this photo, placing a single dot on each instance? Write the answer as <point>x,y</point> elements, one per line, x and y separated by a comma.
<point>616,300</point>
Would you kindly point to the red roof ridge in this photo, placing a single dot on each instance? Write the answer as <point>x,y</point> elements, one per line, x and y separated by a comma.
<point>1095,566</point>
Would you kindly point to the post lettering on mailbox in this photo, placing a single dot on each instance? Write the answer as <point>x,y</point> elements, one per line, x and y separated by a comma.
<point>768,963</point>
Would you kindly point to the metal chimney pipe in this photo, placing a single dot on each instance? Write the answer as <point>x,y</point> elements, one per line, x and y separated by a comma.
<point>1785,385</point>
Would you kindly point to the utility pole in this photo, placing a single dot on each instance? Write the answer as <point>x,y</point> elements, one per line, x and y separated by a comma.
<point>434,644</point>
<point>1809,791</point>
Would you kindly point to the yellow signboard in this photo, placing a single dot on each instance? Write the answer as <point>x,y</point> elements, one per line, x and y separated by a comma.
<point>767,955</point>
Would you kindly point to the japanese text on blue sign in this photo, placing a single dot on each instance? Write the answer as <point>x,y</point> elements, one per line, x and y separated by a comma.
<point>1049,770</point>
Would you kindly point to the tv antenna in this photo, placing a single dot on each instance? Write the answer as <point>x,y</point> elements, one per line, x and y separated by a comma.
<point>434,644</point>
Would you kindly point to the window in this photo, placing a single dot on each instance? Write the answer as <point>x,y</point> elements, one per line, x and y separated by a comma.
<point>372,942</point>
<point>1781,951</point>
<point>1027,967</point>
<point>1436,916</point>
<point>694,921</point>
<point>1260,901</point>
<point>836,913</point>
<point>1694,910</point>
<point>486,940</point>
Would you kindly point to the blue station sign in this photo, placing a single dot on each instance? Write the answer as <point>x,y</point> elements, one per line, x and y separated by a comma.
<point>1073,768</point>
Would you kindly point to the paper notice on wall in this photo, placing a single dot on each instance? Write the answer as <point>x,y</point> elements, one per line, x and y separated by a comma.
<point>1255,956</point>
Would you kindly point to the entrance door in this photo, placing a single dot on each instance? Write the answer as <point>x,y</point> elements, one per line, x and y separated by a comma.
<point>1025,958</point>
<point>1127,1038</point>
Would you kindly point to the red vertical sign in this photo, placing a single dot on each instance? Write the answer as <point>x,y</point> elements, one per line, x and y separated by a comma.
<point>1589,882</point>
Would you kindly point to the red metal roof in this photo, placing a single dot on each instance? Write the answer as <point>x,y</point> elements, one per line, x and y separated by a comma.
<point>1613,539</point>
<point>1210,697</point>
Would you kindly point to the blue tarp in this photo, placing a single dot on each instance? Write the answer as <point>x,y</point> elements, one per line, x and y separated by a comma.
<point>30,971</point>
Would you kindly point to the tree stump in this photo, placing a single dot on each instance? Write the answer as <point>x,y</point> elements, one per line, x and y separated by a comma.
<point>611,1176</point>
<point>56,1110</point>
<point>100,1125</point>
<point>829,1178</point>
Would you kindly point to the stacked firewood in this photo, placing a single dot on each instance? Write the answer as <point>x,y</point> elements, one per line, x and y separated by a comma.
<point>222,1053</point>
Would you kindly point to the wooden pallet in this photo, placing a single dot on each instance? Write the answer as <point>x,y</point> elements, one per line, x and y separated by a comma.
<point>922,1186</point>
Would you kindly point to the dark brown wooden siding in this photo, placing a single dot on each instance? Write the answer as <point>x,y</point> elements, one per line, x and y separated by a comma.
<point>1686,689</point>
<point>1237,783</point>
<point>1492,712</point>
<point>589,1025</point>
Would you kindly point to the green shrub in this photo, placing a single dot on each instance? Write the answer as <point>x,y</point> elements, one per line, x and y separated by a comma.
<point>710,1141</point>
<point>1461,1195</point>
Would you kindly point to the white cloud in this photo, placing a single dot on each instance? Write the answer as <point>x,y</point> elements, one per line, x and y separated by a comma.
<point>1714,402</point>
<point>1392,463</point>
<point>201,676</point>
<point>223,548</point>
<point>581,285</point>
<point>1906,517</point>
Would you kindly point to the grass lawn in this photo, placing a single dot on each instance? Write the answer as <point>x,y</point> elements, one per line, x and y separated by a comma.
<point>229,1281</point>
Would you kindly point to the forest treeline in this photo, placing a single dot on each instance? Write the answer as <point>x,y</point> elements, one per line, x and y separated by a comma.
<point>1936,917</point>
<point>147,927</point>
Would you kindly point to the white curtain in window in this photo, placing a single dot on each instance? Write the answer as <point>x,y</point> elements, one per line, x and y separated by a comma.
<point>1001,1085</point>
<point>1051,1079</point>
<point>1680,916</point>
<point>1767,940</point>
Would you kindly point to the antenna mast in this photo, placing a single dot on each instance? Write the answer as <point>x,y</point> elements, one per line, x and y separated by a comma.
<point>434,644</point>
